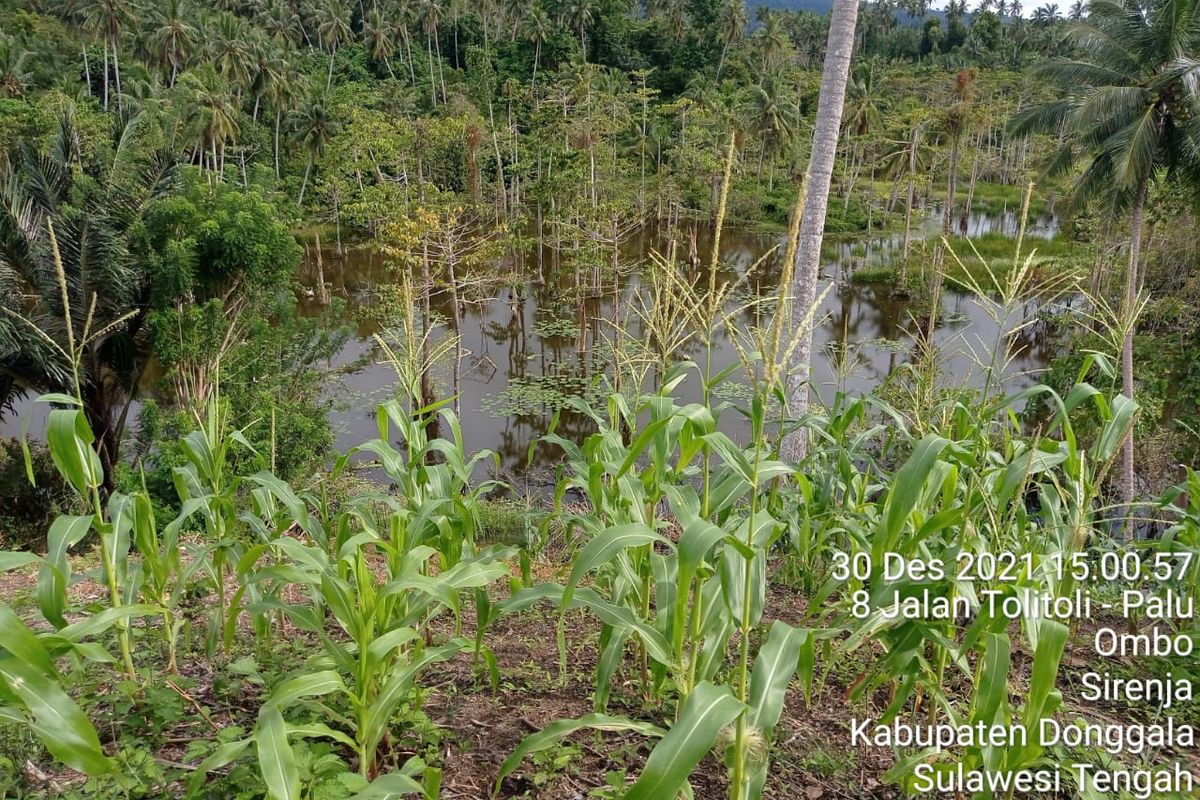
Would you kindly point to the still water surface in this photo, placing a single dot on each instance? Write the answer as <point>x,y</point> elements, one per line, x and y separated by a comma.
<point>511,343</point>
<point>521,336</point>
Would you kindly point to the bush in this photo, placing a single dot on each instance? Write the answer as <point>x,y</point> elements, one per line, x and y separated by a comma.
<point>26,509</point>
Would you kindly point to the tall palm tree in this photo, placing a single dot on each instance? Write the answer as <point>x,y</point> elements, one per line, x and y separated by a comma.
<point>266,70</point>
<point>379,36</point>
<point>828,124</point>
<point>284,90</point>
<point>731,22</point>
<point>431,16</point>
<point>333,29</point>
<point>107,19</point>
<point>538,28</point>
<point>773,117</point>
<point>403,13</point>
<point>312,127</point>
<point>580,14</point>
<point>213,118</point>
<point>1128,110</point>
<point>233,51</point>
<point>773,41</point>
<point>281,22</point>
<point>173,39</point>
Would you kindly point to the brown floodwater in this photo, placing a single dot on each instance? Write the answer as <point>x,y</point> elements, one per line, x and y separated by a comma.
<point>521,351</point>
<point>526,343</point>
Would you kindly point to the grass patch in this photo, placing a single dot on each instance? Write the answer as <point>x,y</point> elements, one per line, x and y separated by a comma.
<point>875,273</point>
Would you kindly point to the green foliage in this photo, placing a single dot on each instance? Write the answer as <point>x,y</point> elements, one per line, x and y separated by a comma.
<point>26,508</point>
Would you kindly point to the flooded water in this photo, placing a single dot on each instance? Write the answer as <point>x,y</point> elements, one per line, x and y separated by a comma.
<point>522,348</point>
<point>522,351</point>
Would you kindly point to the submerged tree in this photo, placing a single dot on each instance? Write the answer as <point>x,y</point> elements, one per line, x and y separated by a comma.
<point>1128,110</point>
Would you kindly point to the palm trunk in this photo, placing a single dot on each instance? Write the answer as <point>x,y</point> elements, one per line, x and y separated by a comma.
<point>116,71</point>
<point>432,79</point>
<point>1131,290</point>
<point>441,69</point>
<point>951,186</point>
<point>834,75</point>
<point>329,77</point>
<point>304,183</point>
<point>87,69</point>
<point>278,120</point>
<point>412,72</point>
<point>104,44</point>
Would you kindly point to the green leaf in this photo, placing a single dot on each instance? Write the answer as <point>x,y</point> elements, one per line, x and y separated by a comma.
<point>275,758</point>
<point>313,684</point>
<point>604,547</point>
<point>70,440</point>
<point>708,709</point>
<point>558,730</point>
<point>57,721</point>
<point>10,561</point>
<point>777,662</point>
<point>386,787</point>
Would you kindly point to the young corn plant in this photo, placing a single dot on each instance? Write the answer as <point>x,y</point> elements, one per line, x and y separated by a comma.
<point>682,599</point>
<point>207,487</point>
<point>382,569</point>
<point>952,497</point>
<point>31,688</point>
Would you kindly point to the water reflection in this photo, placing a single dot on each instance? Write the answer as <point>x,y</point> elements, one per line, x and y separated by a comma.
<point>509,343</point>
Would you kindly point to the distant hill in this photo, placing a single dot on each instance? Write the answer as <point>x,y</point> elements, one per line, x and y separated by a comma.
<point>824,7</point>
<point>816,6</point>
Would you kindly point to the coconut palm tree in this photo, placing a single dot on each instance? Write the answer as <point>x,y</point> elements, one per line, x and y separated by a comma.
<point>281,22</point>
<point>233,51</point>
<point>333,30</point>
<point>538,28</point>
<point>268,65</point>
<point>312,127</point>
<point>213,117</point>
<point>834,75</point>
<point>283,92</point>
<point>772,41</point>
<point>172,40</point>
<point>431,17</point>
<point>107,19</point>
<point>773,116</point>
<point>580,14</point>
<point>1128,110</point>
<point>731,22</point>
<point>379,37</point>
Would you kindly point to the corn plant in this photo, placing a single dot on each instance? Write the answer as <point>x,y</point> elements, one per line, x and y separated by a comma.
<point>208,488</point>
<point>1183,505</point>
<point>954,496</point>
<point>383,568</point>
<point>70,440</point>
<point>31,692</point>
<point>680,599</point>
